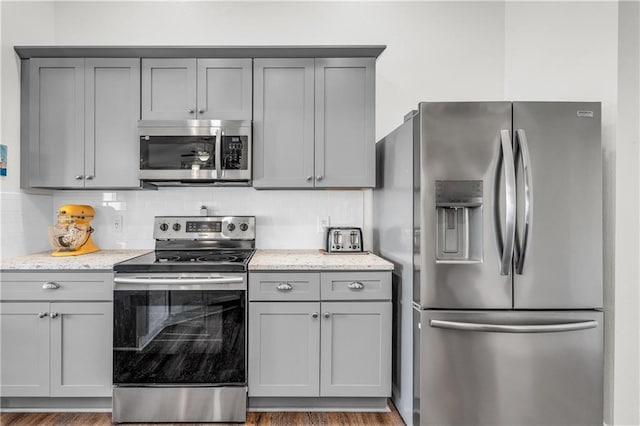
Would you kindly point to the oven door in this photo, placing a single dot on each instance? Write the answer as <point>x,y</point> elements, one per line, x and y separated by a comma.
<point>195,150</point>
<point>183,330</point>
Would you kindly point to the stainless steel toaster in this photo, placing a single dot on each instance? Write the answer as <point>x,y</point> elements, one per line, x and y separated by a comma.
<point>345,239</point>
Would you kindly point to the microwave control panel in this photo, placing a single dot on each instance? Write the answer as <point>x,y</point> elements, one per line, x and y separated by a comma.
<point>234,152</point>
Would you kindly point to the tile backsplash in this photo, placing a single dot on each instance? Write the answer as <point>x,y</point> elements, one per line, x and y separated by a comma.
<point>284,218</point>
<point>24,223</point>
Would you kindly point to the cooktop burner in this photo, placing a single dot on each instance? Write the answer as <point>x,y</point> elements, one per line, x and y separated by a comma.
<point>188,261</point>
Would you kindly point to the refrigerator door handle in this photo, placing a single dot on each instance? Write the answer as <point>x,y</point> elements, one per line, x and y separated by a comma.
<point>522,147</point>
<point>507,328</point>
<point>506,155</point>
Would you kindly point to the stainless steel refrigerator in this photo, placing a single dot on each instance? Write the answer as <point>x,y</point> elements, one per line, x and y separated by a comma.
<point>492,214</point>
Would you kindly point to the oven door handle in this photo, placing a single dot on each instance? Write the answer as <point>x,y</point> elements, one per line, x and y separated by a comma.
<point>154,283</point>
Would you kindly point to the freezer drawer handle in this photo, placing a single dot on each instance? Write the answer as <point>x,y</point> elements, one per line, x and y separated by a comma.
<point>504,328</point>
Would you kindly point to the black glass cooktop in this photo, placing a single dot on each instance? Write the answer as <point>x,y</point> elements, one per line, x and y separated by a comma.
<point>219,260</point>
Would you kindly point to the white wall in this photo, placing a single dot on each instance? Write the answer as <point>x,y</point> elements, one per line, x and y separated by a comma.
<point>24,218</point>
<point>626,389</point>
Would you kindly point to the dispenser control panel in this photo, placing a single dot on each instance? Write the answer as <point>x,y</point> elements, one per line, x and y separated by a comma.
<point>467,192</point>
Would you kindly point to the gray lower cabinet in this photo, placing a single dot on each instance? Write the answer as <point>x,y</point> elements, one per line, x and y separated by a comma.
<point>202,88</point>
<point>79,123</point>
<point>51,347</point>
<point>284,348</point>
<point>325,347</point>
<point>314,123</point>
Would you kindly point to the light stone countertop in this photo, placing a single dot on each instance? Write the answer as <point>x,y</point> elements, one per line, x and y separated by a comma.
<point>316,260</point>
<point>100,260</point>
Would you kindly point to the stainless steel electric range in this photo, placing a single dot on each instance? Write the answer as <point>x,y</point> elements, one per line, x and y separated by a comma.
<point>179,338</point>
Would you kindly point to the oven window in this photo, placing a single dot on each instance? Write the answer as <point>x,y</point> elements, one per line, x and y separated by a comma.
<point>179,336</point>
<point>177,152</point>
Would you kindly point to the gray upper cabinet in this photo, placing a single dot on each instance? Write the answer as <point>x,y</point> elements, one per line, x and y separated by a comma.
<point>112,100</point>
<point>55,147</point>
<point>283,120</point>
<point>345,122</point>
<point>81,118</point>
<point>189,88</point>
<point>314,123</point>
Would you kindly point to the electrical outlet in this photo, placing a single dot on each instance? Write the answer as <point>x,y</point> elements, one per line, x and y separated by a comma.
<point>117,223</point>
<point>323,224</point>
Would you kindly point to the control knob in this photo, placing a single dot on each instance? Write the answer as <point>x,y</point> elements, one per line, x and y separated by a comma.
<point>231,227</point>
<point>164,226</point>
<point>244,226</point>
<point>176,226</point>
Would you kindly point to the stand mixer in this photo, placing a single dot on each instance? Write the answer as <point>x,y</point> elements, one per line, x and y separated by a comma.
<point>71,236</point>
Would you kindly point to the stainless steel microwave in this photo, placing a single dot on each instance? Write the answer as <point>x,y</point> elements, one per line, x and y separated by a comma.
<point>195,152</point>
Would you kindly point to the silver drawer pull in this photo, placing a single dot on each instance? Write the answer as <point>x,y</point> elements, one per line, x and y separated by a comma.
<point>284,287</point>
<point>315,315</point>
<point>51,285</point>
<point>53,314</point>
<point>42,314</point>
<point>327,315</point>
<point>356,286</point>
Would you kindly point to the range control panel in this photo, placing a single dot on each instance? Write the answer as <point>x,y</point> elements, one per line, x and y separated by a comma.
<point>204,228</point>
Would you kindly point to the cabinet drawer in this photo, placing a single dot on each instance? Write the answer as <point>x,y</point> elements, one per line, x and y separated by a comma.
<point>62,286</point>
<point>355,285</point>
<point>284,286</point>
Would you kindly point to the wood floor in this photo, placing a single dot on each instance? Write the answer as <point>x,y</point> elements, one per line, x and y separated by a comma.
<point>253,418</point>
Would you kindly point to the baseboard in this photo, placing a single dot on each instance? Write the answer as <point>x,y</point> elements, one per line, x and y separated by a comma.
<point>316,404</point>
<point>55,405</point>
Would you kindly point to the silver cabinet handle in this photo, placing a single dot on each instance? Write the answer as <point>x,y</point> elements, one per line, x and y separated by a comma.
<point>78,177</point>
<point>191,110</point>
<point>309,178</point>
<point>326,315</point>
<point>200,111</point>
<point>522,147</point>
<point>319,177</point>
<point>355,286</point>
<point>508,328</point>
<point>315,315</point>
<point>89,177</point>
<point>51,285</point>
<point>42,314</point>
<point>284,287</point>
<point>54,314</point>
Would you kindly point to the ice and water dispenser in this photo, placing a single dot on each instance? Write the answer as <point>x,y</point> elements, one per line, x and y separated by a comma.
<point>459,221</point>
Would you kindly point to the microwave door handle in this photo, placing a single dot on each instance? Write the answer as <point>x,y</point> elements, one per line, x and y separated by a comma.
<point>217,160</point>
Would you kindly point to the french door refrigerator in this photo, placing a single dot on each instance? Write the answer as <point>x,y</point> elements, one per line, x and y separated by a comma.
<point>492,214</point>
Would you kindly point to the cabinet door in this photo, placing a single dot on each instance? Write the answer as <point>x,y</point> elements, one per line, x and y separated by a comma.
<point>24,349</point>
<point>283,120</point>
<point>112,99</point>
<point>81,349</point>
<point>356,349</point>
<point>344,122</point>
<point>168,89</point>
<point>56,123</point>
<point>284,348</point>
<point>224,89</point>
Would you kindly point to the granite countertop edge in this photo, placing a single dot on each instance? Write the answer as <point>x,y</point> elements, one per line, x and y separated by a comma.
<point>266,260</point>
<point>102,260</point>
